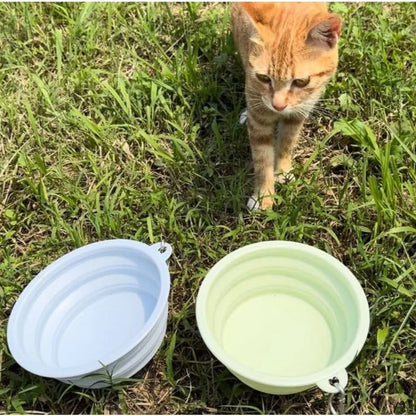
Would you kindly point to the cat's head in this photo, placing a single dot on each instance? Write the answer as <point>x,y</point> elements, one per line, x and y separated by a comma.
<point>292,55</point>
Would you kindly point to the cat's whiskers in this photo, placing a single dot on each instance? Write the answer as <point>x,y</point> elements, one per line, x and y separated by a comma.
<point>333,100</point>
<point>319,110</point>
<point>322,111</point>
<point>257,106</point>
<point>298,112</point>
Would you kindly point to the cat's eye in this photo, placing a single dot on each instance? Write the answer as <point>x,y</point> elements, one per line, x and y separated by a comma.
<point>301,82</point>
<point>265,79</point>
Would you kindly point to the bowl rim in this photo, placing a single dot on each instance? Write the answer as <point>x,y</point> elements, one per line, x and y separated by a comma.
<point>28,295</point>
<point>269,379</point>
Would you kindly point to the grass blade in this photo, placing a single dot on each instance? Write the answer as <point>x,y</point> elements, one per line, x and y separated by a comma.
<point>169,360</point>
<point>58,48</point>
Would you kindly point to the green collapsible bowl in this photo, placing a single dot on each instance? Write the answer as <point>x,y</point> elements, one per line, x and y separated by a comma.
<point>283,316</point>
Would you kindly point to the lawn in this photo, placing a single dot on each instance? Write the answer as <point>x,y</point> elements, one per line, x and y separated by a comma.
<point>121,121</point>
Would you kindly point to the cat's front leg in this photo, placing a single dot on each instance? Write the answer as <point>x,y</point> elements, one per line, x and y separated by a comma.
<point>287,136</point>
<point>261,135</point>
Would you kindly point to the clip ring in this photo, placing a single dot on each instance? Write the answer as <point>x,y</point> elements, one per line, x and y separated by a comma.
<point>341,400</point>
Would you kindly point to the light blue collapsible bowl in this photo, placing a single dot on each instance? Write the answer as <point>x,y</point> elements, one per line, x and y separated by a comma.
<point>95,315</point>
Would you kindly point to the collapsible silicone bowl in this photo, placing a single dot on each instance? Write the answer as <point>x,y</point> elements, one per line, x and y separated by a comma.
<point>283,317</point>
<point>95,315</point>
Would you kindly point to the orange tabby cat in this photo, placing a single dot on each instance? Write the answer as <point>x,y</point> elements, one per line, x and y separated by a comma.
<point>289,53</point>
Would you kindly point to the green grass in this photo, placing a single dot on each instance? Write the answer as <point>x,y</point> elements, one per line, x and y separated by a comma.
<point>120,121</point>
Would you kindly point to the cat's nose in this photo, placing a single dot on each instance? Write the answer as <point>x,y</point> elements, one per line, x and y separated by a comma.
<point>279,100</point>
<point>278,107</point>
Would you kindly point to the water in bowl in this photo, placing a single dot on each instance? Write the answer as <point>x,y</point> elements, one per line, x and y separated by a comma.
<point>278,334</point>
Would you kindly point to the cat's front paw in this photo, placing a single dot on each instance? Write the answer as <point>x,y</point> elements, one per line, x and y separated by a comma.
<point>266,203</point>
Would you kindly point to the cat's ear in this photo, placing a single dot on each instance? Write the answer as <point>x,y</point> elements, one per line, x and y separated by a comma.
<point>254,14</point>
<point>326,33</point>
<point>257,12</point>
